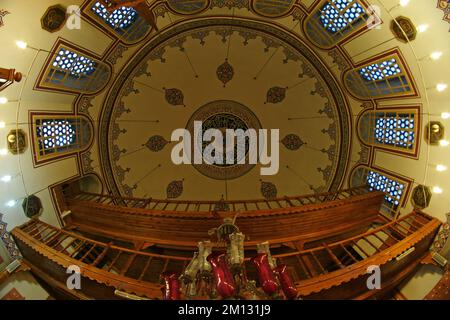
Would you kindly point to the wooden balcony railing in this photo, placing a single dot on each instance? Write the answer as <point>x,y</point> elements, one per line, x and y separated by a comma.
<point>397,247</point>
<point>299,219</point>
<point>221,205</point>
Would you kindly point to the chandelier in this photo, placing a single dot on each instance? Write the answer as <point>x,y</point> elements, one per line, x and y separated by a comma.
<point>221,274</point>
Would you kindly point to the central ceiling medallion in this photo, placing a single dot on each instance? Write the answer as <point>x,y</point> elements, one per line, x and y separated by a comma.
<point>223,115</point>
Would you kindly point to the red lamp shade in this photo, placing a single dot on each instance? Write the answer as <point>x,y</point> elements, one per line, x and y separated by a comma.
<point>225,284</point>
<point>265,274</point>
<point>171,288</point>
<point>289,289</point>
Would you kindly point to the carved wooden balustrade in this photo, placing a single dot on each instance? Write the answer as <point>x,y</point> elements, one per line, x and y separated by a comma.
<point>329,271</point>
<point>294,220</point>
<point>233,206</point>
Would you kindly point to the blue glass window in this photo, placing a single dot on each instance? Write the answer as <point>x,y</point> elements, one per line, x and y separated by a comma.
<point>337,15</point>
<point>395,129</point>
<point>380,71</point>
<point>120,18</point>
<point>76,64</point>
<point>55,135</point>
<point>393,189</point>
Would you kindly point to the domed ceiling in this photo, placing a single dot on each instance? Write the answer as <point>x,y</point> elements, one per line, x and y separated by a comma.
<point>228,73</point>
<point>233,64</point>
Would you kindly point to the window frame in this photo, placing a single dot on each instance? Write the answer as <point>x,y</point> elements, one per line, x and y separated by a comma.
<point>370,139</point>
<point>119,33</point>
<point>101,74</point>
<point>405,73</point>
<point>83,143</point>
<point>318,34</point>
<point>385,208</point>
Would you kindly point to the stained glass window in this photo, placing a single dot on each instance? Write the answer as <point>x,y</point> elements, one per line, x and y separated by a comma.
<point>59,135</point>
<point>76,64</point>
<point>120,18</point>
<point>393,189</point>
<point>384,78</point>
<point>380,71</point>
<point>395,129</point>
<point>71,70</point>
<point>337,15</point>
<point>55,135</point>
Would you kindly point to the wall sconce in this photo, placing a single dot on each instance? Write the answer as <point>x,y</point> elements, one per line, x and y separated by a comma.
<point>434,132</point>
<point>8,76</point>
<point>17,142</point>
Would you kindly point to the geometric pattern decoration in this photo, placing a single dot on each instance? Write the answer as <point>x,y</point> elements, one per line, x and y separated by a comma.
<point>392,188</point>
<point>174,189</point>
<point>54,18</point>
<point>156,143</point>
<point>76,64</point>
<point>222,115</point>
<point>119,18</point>
<point>198,29</point>
<point>272,8</point>
<point>275,95</point>
<point>225,72</point>
<point>268,190</point>
<point>292,142</point>
<point>338,14</point>
<point>174,96</point>
<point>442,236</point>
<point>8,240</point>
<point>395,129</point>
<point>381,70</point>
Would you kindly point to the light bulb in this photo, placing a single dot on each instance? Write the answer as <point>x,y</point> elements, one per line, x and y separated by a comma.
<point>3,100</point>
<point>441,167</point>
<point>443,143</point>
<point>21,44</point>
<point>422,28</point>
<point>441,87</point>
<point>2,124</point>
<point>6,178</point>
<point>445,115</point>
<point>437,190</point>
<point>404,3</point>
<point>436,55</point>
<point>3,152</point>
<point>11,203</point>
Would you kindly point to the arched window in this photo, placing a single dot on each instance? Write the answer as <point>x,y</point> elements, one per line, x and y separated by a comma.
<point>394,187</point>
<point>59,135</point>
<point>125,22</point>
<point>387,77</point>
<point>335,20</point>
<point>70,70</point>
<point>392,129</point>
